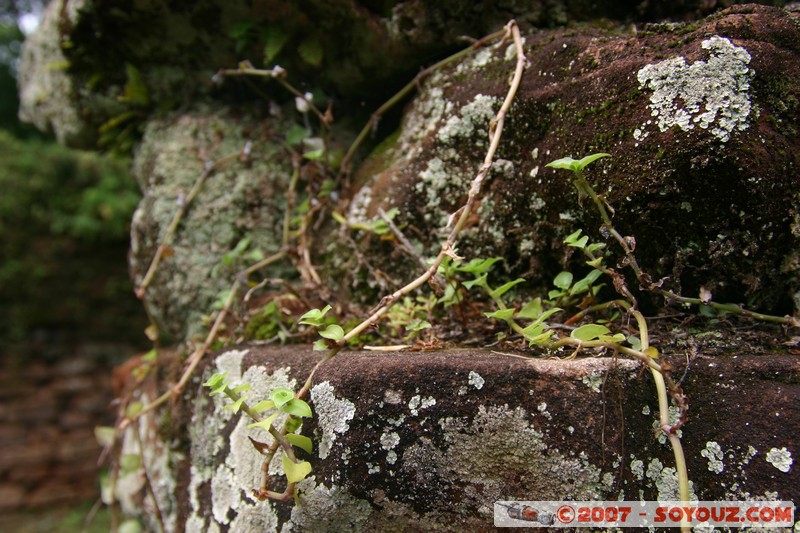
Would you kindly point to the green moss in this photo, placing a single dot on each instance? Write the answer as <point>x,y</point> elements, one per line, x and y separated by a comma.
<point>64,219</point>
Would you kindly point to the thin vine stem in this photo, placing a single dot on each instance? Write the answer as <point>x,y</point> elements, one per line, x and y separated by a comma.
<point>461,215</point>
<point>644,279</point>
<point>196,357</point>
<point>344,165</point>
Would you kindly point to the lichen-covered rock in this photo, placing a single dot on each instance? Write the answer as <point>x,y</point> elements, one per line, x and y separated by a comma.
<point>421,441</point>
<point>95,71</point>
<point>48,95</point>
<point>701,122</point>
<point>242,198</point>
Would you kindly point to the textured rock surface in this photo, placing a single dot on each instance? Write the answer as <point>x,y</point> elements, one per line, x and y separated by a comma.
<point>701,121</point>
<point>398,438</point>
<point>76,71</point>
<point>243,198</point>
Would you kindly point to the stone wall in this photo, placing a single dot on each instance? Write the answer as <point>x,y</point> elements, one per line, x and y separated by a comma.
<point>49,409</point>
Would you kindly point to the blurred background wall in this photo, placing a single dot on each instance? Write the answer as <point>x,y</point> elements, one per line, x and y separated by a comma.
<point>67,310</point>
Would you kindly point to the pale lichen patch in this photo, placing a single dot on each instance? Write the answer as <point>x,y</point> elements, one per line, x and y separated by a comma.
<point>334,415</point>
<point>713,452</point>
<point>471,117</point>
<point>327,509</point>
<point>476,380</point>
<point>780,459</point>
<point>417,403</point>
<point>593,381</point>
<point>712,94</point>
<point>510,444</point>
<point>237,471</point>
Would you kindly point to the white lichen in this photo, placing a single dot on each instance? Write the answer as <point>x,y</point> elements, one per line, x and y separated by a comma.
<point>476,380</point>
<point>389,440</point>
<point>334,415</point>
<point>711,94</point>
<point>665,480</point>
<point>637,469</point>
<point>713,452</point>
<point>780,459</point>
<point>231,362</point>
<point>327,509</point>
<point>392,397</point>
<point>471,117</point>
<point>510,444</point>
<point>417,402</point>
<point>593,381</point>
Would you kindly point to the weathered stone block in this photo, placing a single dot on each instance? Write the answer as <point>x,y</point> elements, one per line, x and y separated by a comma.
<point>701,122</point>
<point>415,441</point>
<point>243,198</point>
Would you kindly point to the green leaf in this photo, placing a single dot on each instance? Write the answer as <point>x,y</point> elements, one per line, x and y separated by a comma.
<point>297,407</point>
<point>563,280</point>
<point>104,435</point>
<point>595,263</point>
<point>150,356</point>
<point>572,237</point>
<point>532,309</point>
<point>582,163</point>
<point>478,266</point>
<point>255,255</point>
<point>264,424</point>
<point>567,163</point>
<point>296,134</point>
<point>241,388</point>
<point>133,409</point>
<point>217,383</point>
<point>501,290</point>
<point>501,314</point>
<point>542,338</point>
<point>635,343</point>
<point>589,332</point>
<point>295,471</point>
<point>583,285</point>
<point>552,295</point>
<point>580,243</point>
<point>314,155</point>
<point>320,345</point>
<point>292,424</point>
<point>235,406</point>
<point>301,441</point>
<point>310,51</point>
<point>333,332</point>
<point>263,405</point>
<point>315,316</point>
<point>418,325</point>
<point>547,314</point>
<point>275,37</point>
<point>281,395</point>
<point>615,338</point>
<point>595,246</point>
<point>533,330</point>
<point>651,352</point>
<point>479,281</point>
